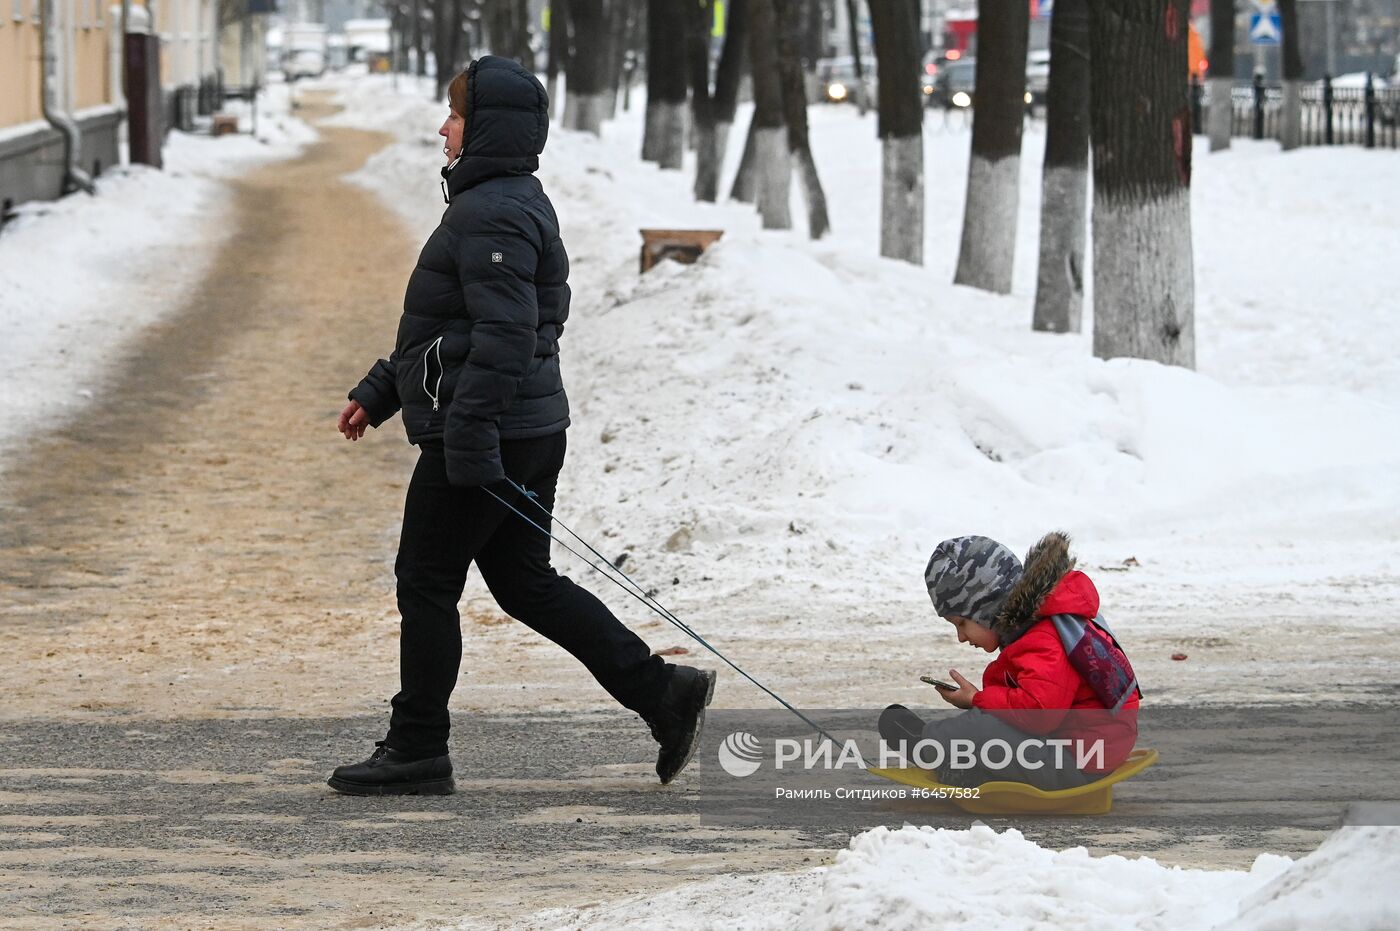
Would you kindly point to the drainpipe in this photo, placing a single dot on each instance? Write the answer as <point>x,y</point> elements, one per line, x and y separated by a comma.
<point>74,178</point>
<point>121,46</point>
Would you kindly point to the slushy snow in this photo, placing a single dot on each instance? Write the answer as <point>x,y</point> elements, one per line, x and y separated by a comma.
<point>982,880</point>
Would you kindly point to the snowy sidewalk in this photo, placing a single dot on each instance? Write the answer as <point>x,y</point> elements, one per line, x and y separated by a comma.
<point>83,277</point>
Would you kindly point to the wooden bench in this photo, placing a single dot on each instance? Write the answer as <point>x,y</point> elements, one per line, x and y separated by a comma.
<point>681,245</point>
<point>225,124</point>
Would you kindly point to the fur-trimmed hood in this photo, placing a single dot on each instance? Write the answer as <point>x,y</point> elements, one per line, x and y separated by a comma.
<point>1045,567</point>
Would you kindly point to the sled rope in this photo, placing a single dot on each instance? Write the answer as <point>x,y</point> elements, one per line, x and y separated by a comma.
<point>641,594</point>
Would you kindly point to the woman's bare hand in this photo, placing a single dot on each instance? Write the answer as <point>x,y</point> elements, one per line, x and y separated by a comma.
<point>353,421</point>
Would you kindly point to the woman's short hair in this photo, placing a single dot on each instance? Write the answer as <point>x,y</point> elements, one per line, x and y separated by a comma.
<point>457,94</point>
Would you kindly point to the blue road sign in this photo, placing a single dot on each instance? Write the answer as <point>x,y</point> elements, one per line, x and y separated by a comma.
<point>1265,28</point>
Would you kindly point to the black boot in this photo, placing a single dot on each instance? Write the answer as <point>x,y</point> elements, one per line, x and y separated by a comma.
<point>901,729</point>
<point>679,718</point>
<point>389,772</point>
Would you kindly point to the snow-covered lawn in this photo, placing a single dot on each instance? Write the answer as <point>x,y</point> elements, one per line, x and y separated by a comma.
<point>81,277</point>
<point>982,880</point>
<point>788,427</point>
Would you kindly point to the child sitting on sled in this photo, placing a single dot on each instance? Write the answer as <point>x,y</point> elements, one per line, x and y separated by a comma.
<point>1060,675</point>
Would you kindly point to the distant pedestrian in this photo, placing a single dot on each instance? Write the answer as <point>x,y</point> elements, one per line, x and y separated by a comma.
<point>475,371</point>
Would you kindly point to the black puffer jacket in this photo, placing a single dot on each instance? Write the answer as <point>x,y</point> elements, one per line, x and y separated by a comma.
<point>477,355</point>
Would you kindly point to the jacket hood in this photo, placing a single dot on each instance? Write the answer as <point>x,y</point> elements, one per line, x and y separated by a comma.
<point>1048,586</point>
<point>507,123</point>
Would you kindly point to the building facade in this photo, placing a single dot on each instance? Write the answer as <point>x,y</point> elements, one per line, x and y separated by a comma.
<point>47,151</point>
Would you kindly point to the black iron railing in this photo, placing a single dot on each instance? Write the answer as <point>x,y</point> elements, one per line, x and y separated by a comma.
<point>1368,115</point>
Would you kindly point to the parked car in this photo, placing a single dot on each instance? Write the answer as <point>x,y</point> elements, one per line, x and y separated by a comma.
<point>303,50</point>
<point>955,84</point>
<point>837,77</point>
<point>928,76</point>
<point>1037,76</point>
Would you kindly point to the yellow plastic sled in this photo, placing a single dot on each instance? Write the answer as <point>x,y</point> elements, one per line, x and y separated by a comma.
<point>1017,798</point>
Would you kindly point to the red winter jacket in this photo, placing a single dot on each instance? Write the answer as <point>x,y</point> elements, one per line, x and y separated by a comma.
<point>1031,684</point>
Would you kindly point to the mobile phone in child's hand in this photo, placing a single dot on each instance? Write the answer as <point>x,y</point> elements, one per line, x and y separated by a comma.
<point>939,683</point>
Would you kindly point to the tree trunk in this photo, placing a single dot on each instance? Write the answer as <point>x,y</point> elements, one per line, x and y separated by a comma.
<point>447,42</point>
<point>895,24</point>
<point>522,51</point>
<point>615,36</point>
<point>853,34</point>
<point>745,188</point>
<point>1059,291</point>
<point>1140,116</point>
<point>558,51</point>
<point>772,166</point>
<point>587,77</point>
<point>1291,123</point>
<point>631,51</point>
<point>794,91</point>
<point>420,52</point>
<point>729,74</point>
<point>988,250</point>
<point>663,140</point>
<point>1222,72</point>
<point>699,25</point>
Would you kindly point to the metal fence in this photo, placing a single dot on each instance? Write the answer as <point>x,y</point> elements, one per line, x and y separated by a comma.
<point>1367,116</point>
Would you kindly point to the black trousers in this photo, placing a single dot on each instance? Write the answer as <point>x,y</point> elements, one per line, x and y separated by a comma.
<point>445,530</point>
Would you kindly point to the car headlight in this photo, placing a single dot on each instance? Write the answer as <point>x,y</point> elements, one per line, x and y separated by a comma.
<point>1028,96</point>
<point>960,99</point>
<point>836,91</point>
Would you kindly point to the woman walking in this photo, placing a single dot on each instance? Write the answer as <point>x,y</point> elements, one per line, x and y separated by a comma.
<point>475,371</point>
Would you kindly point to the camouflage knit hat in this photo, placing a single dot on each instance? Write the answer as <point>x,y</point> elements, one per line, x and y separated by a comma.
<point>971,577</point>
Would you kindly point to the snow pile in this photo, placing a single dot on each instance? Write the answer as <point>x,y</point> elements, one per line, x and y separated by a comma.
<point>82,276</point>
<point>979,880</point>
<point>1348,882</point>
<point>788,427</point>
<point>982,880</point>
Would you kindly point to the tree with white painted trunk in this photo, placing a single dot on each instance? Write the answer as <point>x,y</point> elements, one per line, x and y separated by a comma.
<point>713,111</point>
<point>794,91</point>
<point>699,18</point>
<point>745,188</point>
<point>901,127</point>
<point>558,51</point>
<point>1064,186</point>
<point>988,249</point>
<point>1140,127</point>
<point>663,137</point>
<point>587,88</point>
<point>770,162</point>
<point>1222,73</point>
<point>1291,117</point>
<point>729,73</point>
